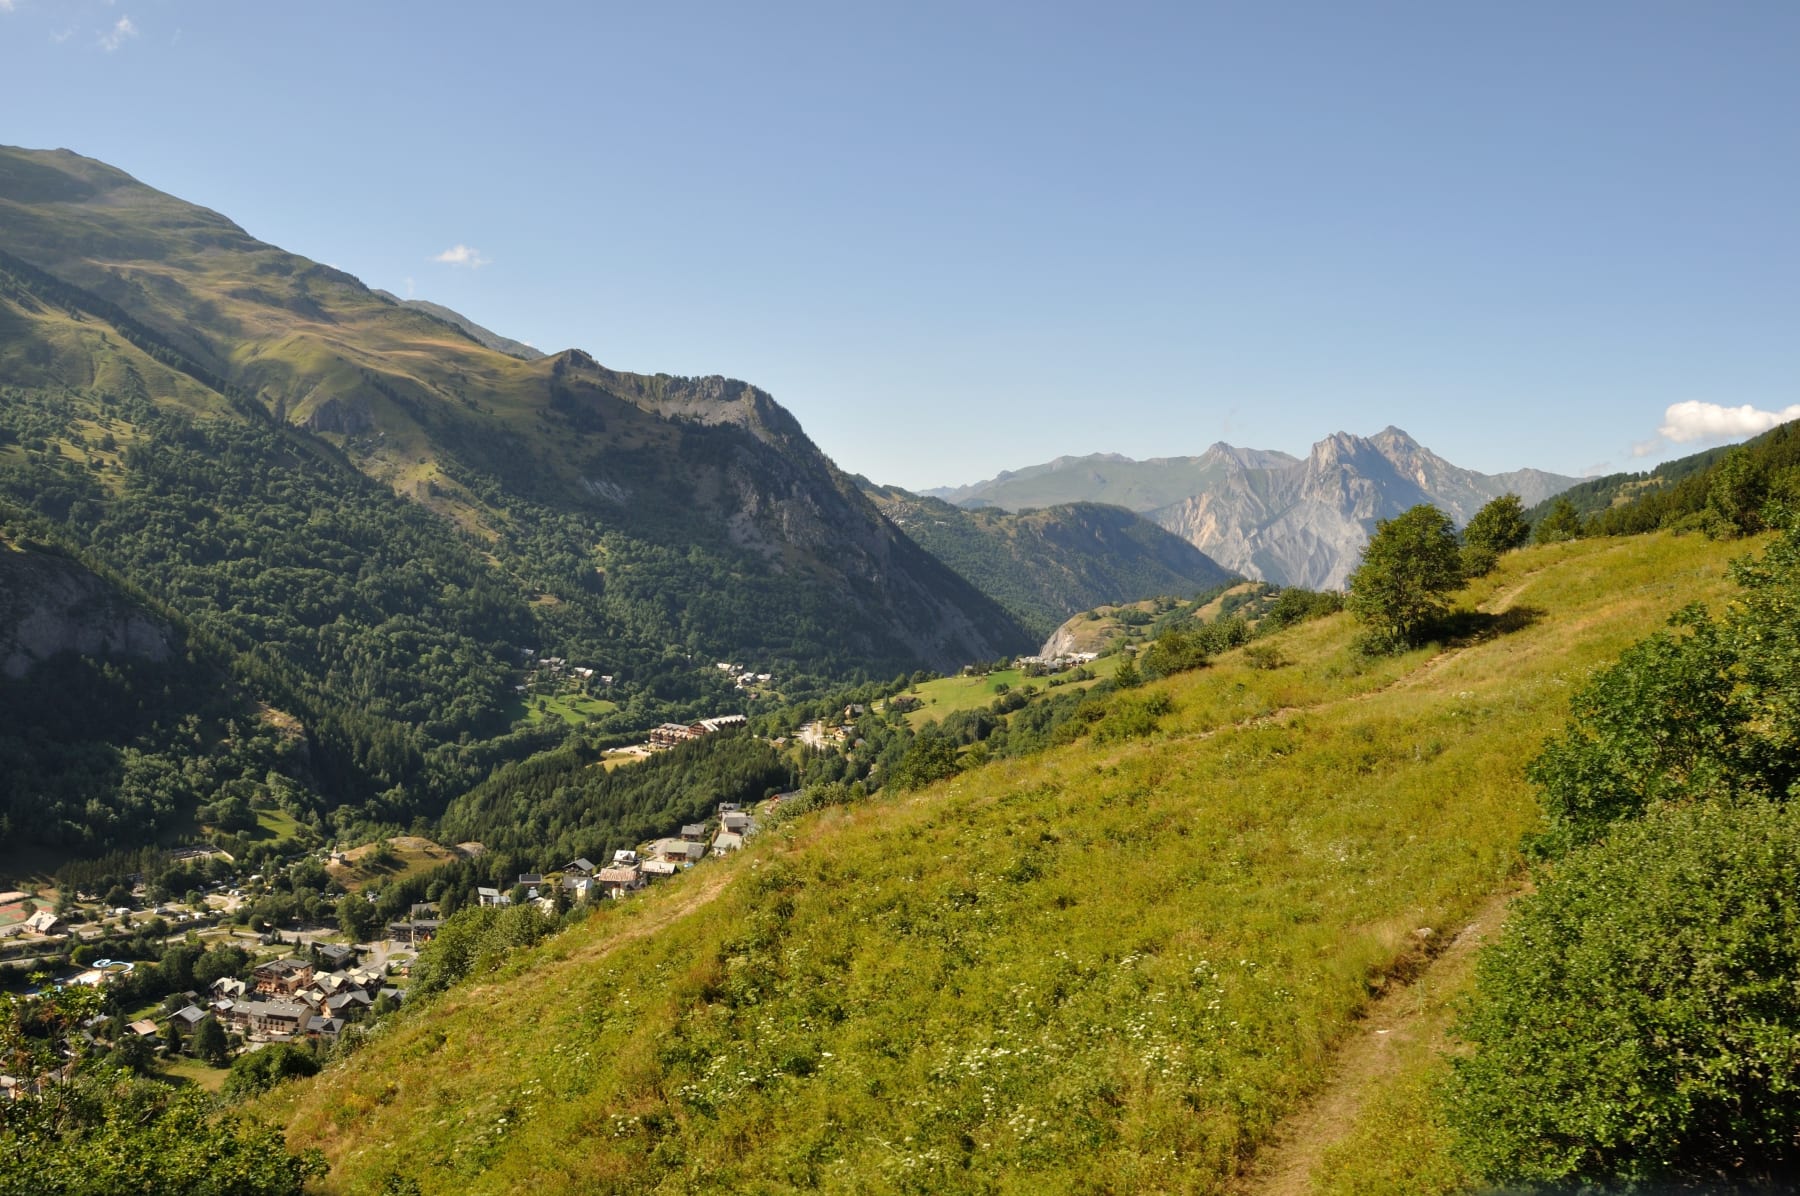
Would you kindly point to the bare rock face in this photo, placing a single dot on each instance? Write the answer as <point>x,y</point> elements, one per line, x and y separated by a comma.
<point>1305,523</point>
<point>49,605</point>
<point>342,417</point>
<point>1265,514</point>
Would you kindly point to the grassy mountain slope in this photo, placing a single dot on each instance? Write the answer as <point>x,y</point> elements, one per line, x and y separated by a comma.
<point>485,336</point>
<point>1044,565</point>
<point>366,517</point>
<point>724,518</point>
<point>1109,967</point>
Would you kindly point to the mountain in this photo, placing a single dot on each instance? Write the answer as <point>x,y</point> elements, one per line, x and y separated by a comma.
<point>116,726</point>
<point>1595,495</point>
<point>1271,516</point>
<point>460,428</point>
<point>481,336</point>
<point>1107,478</point>
<point>372,517</point>
<point>1045,565</point>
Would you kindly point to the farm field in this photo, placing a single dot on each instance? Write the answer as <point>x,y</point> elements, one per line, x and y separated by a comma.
<point>1124,965</point>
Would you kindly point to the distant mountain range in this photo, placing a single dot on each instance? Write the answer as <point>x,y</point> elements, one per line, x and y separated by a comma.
<point>1266,514</point>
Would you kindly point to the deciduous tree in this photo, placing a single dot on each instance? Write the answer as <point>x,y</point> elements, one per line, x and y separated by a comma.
<point>1410,567</point>
<point>1498,527</point>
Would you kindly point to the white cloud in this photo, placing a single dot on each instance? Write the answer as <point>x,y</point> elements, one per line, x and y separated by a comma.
<point>1686,423</point>
<point>118,35</point>
<point>1694,420</point>
<point>8,5</point>
<point>409,287</point>
<point>462,255</point>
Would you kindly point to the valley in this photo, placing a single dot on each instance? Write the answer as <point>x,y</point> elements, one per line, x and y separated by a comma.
<point>972,984</point>
<point>607,790</point>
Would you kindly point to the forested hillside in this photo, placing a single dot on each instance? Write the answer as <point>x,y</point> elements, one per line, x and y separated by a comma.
<point>1046,564</point>
<point>368,521</point>
<point>1724,492</point>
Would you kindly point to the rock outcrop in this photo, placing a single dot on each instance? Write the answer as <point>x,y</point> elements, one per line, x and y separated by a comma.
<point>1265,514</point>
<point>1305,523</point>
<point>49,605</point>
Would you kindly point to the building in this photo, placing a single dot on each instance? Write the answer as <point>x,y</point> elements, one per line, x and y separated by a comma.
<point>414,933</point>
<point>616,882</point>
<point>270,1019</point>
<point>721,723</point>
<point>332,956</point>
<point>671,734</point>
<point>679,851</point>
<point>282,977</point>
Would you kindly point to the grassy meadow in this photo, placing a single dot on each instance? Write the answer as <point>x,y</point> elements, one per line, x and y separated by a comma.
<point>411,856</point>
<point>948,695</point>
<point>572,710</point>
<point>1113,967</point>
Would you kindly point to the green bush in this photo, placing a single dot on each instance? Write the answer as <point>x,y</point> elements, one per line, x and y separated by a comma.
<point>1173,652</point>
<point>1132,717</point>
<point>1712,707</point>
<point>261,1070</point>
<point>475,940</point>
<point>1639,1019</point>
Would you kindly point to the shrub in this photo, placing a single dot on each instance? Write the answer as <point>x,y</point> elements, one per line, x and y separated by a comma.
<point>1638,1019</point>
<point>261,1070</point>
<point>1132,717</point>
<point>1173,652</point>
<point>1264,656</point>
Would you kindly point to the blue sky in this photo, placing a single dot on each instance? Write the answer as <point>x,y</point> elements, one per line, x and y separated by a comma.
<point>965,237</point>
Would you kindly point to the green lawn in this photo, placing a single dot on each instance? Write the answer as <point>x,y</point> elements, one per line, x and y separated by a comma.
<point>182,1071</point>
<point>275,824</point>
<point>573,709</point>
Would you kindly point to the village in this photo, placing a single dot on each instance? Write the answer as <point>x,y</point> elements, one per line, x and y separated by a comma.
<point>309,986</point>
